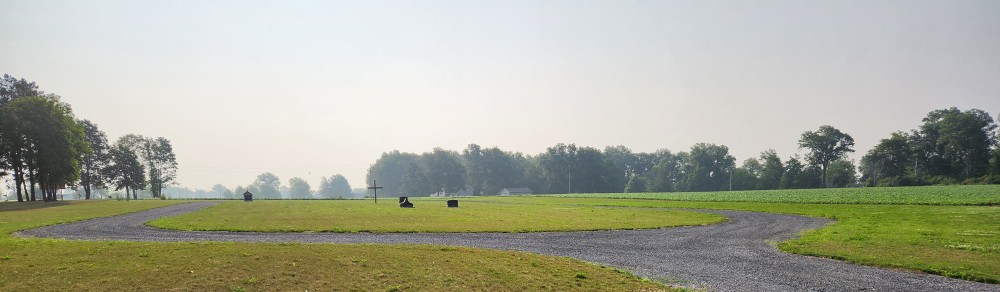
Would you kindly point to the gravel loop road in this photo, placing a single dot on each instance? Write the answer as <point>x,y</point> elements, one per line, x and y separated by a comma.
<point>738,255</point>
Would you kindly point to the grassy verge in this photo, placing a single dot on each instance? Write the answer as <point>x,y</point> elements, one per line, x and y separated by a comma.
<point>929,195</point>
<point>43,264</point>
<point>954,241</point>
<point>429,216</point>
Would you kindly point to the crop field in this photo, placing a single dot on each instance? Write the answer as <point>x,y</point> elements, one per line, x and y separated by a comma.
<point>928,195</point>
<point>428,216</point>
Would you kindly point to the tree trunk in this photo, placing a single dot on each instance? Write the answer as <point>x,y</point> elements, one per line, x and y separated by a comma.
<point>31,183</point>
<point>86,184</point>
<point>824,176</point>
<point>18,183</point>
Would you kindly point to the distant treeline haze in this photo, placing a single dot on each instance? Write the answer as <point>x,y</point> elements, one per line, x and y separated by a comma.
<point>44,148</point>
<point>950,147</point>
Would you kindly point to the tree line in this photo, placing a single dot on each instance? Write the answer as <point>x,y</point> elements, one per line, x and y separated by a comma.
<point>952,146</point>
<point>268,186</point>
<point>45,148</point>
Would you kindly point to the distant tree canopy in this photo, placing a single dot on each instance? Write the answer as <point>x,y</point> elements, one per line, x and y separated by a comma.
<point>334,187</point>
<point>298,188</point>
<point>952,146</point>
<point>266,186</point>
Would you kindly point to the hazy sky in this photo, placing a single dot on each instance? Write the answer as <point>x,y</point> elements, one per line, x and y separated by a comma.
<point>316,88</point>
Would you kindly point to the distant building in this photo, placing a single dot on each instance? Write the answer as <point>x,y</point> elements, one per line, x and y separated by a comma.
<point>516,191</point>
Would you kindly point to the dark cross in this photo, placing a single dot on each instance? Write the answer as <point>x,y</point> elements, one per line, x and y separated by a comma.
<point>375,188</point>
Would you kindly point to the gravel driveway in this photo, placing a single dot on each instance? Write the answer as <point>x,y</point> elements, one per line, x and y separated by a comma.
<point>734,256</point>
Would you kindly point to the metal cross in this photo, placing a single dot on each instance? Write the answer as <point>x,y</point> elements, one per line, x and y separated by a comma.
<point>375,188</point>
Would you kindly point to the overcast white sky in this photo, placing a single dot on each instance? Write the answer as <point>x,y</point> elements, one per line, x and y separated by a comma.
<point>315,88</point>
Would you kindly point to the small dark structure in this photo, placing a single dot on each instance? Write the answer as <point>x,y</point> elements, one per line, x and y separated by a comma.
<point>452,203</point>
<point>248,196</point>
<point>404,202</point>
<point>516,191</point>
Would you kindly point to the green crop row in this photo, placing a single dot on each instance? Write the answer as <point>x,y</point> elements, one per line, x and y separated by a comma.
<point>926,195</point>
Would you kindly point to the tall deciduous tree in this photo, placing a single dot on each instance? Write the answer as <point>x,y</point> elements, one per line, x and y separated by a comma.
<point>46,140</point>
<point>444,170</point>
<point>957,143</point>
<point>94,161</point>
<point>223,192</point>
<point>298,188</point>
<point>162,164</point>
<point>157,155</point>
<point>667,171</point>
<point>12,88</point>
<point>501,170</point>
<point>771,170</point>
<point>559,164</point>
<point>826,145</point>
<point>389,170</point>
<point>843,173</point>
<point>334,187</point>
<point>267,185</point>
<point>889,158</point>
<point>475,166</point>
<point>708,168</point>
<point>125,171</point>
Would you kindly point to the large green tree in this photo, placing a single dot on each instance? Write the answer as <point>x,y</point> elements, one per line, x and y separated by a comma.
<point>334,187</point>
<point>46,141</point>
<point>125,170</point>
<point>475,167</point>
<point>299,188</point>
<point>843,173</point>
<point>95,160</point>
<point>888,159</point>
<point>389,170</point>
<point>708,168</point>
<point>558,164</point>
<point>825,145</point>
<point>267,186</point>
<point>501,170</point>
<point>771,170</point>
<point>157,156</point>
<point>444,171</point>
<point>957,143</point>
<point>667,172</point>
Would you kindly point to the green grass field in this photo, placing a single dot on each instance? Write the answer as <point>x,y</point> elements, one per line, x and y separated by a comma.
<point>929,195</point>
<point>46,264</point>
<point>951,231</point>
<point>428,216</point>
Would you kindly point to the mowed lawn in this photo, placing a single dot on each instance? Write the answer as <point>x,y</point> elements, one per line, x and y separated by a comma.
<point>952,240</point>
<point>430,215</point>
<point>47,264</point>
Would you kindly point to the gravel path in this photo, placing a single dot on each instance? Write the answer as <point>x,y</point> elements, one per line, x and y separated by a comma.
<point>735,256</point>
